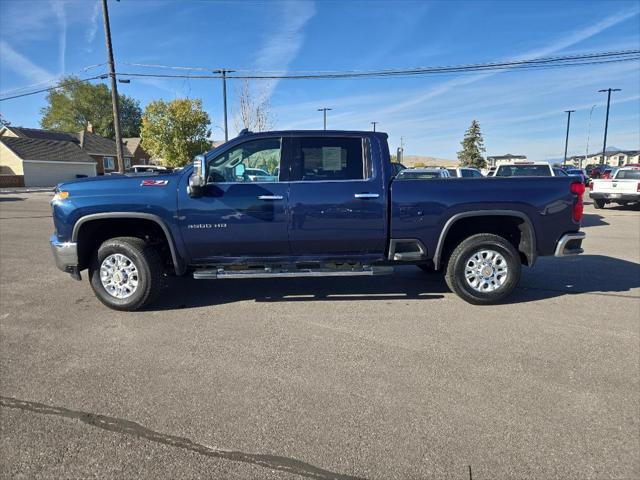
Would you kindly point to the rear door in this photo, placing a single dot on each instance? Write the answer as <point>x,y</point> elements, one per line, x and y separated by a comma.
<point>336,197</point>
<point>239,214</point>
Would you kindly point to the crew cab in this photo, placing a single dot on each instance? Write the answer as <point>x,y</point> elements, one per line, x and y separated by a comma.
<point>334,209</point>
<point>623,188</point>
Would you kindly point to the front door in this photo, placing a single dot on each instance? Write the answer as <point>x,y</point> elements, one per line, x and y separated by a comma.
<point>336,198</point>
<point>243,211</point>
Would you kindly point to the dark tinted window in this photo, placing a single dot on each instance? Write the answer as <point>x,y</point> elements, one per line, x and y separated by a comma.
<point>559,172</point>
<point>523,171</point>
<point>453,172</point>
<point>328,158</point>
<point>628,175</point>
<point>468,173</point>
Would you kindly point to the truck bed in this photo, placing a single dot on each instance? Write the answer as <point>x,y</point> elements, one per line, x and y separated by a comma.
<point>421,209</point>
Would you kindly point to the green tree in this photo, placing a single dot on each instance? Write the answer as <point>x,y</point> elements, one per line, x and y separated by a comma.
<point>76,103</point>
<point>472,147</point>
<point>175,131</point>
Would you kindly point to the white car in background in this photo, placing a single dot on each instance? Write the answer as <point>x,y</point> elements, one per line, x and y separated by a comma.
<point>623,188</point>
<point>528,169</point>
<point>464,172</point>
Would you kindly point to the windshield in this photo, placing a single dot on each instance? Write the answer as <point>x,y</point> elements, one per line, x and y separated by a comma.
<point>628,175</point>
<point>523,171</point>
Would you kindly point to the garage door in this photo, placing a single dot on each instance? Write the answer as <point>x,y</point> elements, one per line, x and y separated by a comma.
<point>49,174</point>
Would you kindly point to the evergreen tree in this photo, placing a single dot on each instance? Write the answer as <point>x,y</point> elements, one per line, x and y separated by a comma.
<point>472,147</point>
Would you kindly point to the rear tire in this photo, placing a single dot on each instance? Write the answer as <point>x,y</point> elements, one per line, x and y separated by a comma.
<point>598,203</point>
<point>126,273</point>
<point>483,269</point>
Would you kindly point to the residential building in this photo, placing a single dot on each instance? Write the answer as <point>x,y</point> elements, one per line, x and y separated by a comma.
<point>615,158</point>
<point>497,160</point>
<point>138,154</point>
<point>38,162</point>
<point>103,151</point>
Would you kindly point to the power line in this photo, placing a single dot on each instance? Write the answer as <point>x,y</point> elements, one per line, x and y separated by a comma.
<point>103,76</point>
<point>50,80</point>
<point>514,65</point>
<point>280,74</point>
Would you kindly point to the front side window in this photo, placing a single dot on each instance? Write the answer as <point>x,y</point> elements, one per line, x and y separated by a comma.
<point>328,158</point>
<point>108,163</point>
<point>255,161</point>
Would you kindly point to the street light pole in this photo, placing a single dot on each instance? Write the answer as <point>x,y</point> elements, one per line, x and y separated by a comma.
<point>374,125</point>
<point>224,72</point>
<point>324,114</point>
<point>606,121</point>
<point>114,87</point>
<point>566,142</point>
<point>586,154</point>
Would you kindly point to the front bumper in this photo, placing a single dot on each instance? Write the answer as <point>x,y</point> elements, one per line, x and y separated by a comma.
<point>65,255</point>
<point>570,244</point>
<point>615,197</point>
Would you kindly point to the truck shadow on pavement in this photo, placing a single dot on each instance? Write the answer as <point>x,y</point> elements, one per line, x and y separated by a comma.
<point>551,277</point>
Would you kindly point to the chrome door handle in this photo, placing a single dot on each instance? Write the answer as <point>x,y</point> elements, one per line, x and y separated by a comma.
<point>270,197</point>
<point>367,195</point>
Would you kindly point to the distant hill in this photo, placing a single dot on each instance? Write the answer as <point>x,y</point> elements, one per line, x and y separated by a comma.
<point>412,160</point>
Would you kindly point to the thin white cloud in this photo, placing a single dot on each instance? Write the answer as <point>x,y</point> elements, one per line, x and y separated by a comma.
<point>285,42</point>
<point>92,28</point>
<point>21,65</point>
<point>565,42</point>
<point>61,15</point>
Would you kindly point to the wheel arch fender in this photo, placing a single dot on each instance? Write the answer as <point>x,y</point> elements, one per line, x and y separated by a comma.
<point>178,264</point>
<point>528,237</point>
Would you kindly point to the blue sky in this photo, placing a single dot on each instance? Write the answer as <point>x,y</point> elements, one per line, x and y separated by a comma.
<point>519,112</point>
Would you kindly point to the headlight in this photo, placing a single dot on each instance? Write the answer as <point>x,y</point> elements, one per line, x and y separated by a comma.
<point>60,196</point>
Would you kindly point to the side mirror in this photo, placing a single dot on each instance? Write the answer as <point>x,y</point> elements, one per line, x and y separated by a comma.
<point>239,169</point>
<point>197,180</point>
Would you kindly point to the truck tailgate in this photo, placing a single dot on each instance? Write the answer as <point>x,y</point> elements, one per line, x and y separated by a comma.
<point>615,186</point>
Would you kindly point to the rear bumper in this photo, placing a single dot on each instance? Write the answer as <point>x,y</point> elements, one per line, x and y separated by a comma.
<point>615,197</point>
<point>65,255</point>
<point>570,244</point>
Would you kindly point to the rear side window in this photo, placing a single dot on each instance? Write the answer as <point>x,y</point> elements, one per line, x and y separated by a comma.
<point>628,175</point>
<point>328,158</point>
<point>453,173</point>
<point>523,171</point>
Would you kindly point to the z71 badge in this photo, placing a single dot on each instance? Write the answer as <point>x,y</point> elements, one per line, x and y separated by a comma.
<point>154,183</point>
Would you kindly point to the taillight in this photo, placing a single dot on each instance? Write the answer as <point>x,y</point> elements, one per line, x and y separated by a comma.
<point>577,189</point>
<point>638,188</point>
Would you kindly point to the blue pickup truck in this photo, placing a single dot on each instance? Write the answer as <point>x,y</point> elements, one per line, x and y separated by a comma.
<point>325,204</point>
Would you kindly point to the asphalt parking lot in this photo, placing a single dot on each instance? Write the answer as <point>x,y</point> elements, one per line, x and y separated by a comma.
<point>388,378</point>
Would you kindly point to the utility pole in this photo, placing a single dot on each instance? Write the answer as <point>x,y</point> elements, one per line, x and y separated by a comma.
<point>586,153</point>
<point>566,142</point>
<point>324,114</point>
<point>114,87</point>
<point>224,72</point>
<point>606,121</point>
<point>374,125</point>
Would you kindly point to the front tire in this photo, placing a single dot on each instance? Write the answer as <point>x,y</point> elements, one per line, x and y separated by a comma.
<point>598,203</point>
<point>483,269</point>
<point>126,273</point>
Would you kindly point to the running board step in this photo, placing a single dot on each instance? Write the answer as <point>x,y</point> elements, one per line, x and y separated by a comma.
<point>280,273</point>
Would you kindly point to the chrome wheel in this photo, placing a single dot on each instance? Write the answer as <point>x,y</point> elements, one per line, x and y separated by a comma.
<point>119,275</point>
<point>486,271</point>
